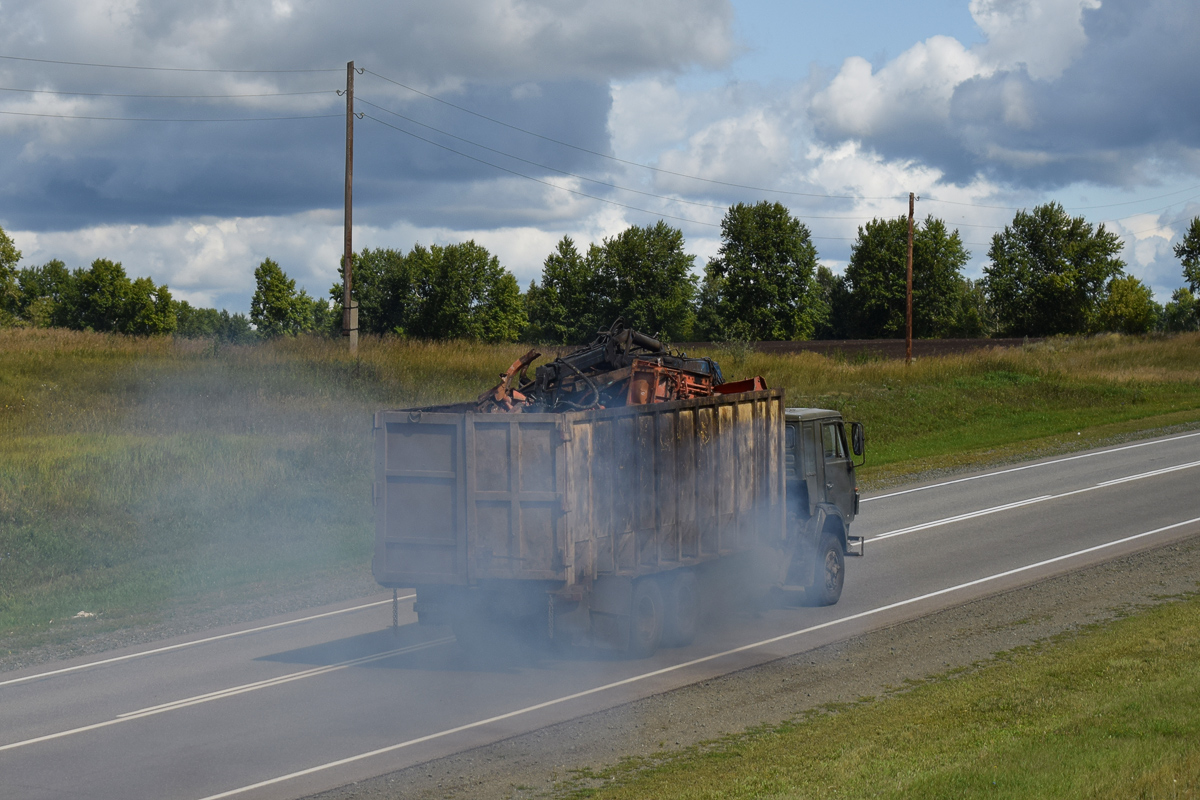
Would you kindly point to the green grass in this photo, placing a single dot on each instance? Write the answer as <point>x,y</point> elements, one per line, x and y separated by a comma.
<point>1113,712</point>
<point>141,475</point>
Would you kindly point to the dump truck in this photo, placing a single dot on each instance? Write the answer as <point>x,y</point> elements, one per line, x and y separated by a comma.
<point>601,526</point>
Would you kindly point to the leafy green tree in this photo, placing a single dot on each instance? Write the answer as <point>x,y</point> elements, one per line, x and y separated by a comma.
<point>277,309</point>
<point>195,323</point>
<point>563,308</point>
<point>148,309</point>
<point>10,293</point>
<point>645,277</point>
<point>874,298</point>
<point>466,294</point>
<point>1127,307</point>
<point>439,292</point>
<point>1049,272</point>
<point>1182,313</point>
<point>97,299</point>
<point>761,278</point>
<point>385,283</point>
<point>1188,252</point>
<point>972,315</point>
<point>42,289</point>
<point>828,301</point>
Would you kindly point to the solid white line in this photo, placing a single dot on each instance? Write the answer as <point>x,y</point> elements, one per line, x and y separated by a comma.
<point>686,664</point>
<point>1029,466</point>
<point>1032,501</point>
<point>196,642</point>
<point>249,687</point>
<point>960,517</point>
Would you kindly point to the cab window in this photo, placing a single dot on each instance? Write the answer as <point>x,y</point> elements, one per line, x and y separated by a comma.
<point>808,449</point>
<point>834,442</point>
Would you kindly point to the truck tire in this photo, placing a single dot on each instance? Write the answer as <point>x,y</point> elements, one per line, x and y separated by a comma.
<point>682,605</point>
<point>829,573</point>
<point>646,618</point>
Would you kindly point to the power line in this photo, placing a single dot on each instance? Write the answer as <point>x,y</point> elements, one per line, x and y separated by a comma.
<point>164,96</point>
<point>164,69</point>
<point>562,188</point>
<point>538,180</point>
<point>621,160</point>
<point>577,176</point>
<point>1066,208</point>
<point>535,163</point>
<point>166,119</point>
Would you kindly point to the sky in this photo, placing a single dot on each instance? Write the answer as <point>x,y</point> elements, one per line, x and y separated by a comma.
<point>191,140</point>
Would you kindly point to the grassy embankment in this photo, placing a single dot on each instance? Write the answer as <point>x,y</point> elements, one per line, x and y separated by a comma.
<point>1110,713</point>
<point>138,476</point>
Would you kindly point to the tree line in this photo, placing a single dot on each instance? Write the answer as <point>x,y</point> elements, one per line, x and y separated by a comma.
<point>1048,273</point>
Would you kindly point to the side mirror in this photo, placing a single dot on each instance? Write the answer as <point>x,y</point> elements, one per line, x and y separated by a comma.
<point>858,438</point>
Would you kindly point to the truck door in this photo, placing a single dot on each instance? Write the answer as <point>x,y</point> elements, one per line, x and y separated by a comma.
<point>809,447</point>
<point>839,469</point>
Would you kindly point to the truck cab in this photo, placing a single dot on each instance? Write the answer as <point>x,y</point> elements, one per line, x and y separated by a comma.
<point>822,499</point>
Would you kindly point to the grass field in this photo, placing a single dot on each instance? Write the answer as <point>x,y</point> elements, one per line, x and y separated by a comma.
<point>142,475</point>
<point>1109,713</point>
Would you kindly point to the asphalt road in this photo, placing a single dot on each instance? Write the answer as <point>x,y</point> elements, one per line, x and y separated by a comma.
<point>300,704</point>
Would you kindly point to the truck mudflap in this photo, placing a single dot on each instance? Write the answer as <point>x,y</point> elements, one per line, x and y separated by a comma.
<point>851,541</point>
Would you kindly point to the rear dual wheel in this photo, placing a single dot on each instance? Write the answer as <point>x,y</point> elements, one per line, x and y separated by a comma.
<point>665,612</point>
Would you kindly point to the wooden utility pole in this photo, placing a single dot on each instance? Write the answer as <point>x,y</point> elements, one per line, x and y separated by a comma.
<point>349,307</point>
<point>908,287</point>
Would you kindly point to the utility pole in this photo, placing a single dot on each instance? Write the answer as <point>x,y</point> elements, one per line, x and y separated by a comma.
<point>908,286</point>
<point>349,307</point>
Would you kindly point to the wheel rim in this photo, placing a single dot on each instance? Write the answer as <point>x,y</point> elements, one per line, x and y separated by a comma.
<point>833,570</point>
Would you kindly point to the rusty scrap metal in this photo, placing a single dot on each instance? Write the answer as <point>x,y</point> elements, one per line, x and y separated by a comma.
<point>620,367</point>
<point>503,397</point>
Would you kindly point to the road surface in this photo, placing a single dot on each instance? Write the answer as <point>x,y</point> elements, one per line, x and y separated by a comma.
<point>296,705</point>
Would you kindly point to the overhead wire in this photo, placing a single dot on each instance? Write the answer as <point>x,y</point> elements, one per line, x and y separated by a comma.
<point>670,198</point>
<point>466,110</point>
<point>597,153</point>
<point>169,69</point>
<point>168,119</point>
<point>164,96</point>
<point>556,186</point>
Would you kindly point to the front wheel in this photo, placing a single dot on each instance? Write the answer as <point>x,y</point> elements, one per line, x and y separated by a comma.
<point>830,572</point>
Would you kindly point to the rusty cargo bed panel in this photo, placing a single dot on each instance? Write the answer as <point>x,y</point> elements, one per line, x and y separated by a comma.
<point>462,497</point>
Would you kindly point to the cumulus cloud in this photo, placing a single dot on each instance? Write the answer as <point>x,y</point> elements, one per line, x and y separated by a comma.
<point>1060,91</point>
<point>543,65</point>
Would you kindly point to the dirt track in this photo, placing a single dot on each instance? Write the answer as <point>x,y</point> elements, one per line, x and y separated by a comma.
<point>533,765</point>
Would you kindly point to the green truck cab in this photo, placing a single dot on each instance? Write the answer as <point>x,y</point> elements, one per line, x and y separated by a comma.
<point>822,499</point>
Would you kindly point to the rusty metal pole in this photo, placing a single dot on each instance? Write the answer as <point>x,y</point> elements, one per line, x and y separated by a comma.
<point>908,286</point>
<point>349,307</point>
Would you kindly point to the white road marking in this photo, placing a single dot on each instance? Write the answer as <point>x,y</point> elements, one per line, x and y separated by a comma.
<point>1033,500</point>
<point>960,517</point>
<point>236,690</point>
<point>1029,466</point>
<point>636,678</point>
<point>181,645</point>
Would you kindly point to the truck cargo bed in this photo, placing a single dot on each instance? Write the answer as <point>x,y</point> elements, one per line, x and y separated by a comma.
<point>463,498</point>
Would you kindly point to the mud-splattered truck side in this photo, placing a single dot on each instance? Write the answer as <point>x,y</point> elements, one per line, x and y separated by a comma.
<point>594,526</point>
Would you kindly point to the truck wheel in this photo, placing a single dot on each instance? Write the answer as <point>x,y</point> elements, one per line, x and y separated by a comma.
<point>646,618</point>
<point>682,602</point>
<point>830,572</point>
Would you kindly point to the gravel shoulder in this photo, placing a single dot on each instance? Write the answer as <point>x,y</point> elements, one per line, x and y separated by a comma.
<point>539,764</point>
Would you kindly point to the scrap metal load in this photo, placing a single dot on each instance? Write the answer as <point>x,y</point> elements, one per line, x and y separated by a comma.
<point>621,367</point>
